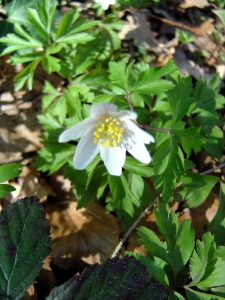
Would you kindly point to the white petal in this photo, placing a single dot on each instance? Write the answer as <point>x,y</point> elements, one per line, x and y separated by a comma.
<point>105,6</point>
<point>139,151</point>
<point>140,135</point>
<point>114,159</point>
<point>126,114</point>
<point>86,151</point>
<point>77,130</point>
<point>102,109</point>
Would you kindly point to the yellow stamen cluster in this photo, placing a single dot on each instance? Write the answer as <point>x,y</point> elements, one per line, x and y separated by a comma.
<point>109,131</point>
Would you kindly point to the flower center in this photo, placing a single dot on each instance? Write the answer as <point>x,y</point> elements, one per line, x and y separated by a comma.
<point>109,131</point>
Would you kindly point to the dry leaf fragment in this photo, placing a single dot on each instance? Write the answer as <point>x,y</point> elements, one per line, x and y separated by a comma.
<point>31,294</point>
<point>45,281</point>
<point>29,182</point>
<point>194,3</point>
<point>138,28</point>
<point>88,234</point>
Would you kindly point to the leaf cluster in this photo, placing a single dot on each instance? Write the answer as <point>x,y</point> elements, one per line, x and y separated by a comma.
<point>171,260</point>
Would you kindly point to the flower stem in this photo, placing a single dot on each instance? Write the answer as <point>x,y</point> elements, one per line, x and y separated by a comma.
<point>168,130</point>
<point>127,96</point>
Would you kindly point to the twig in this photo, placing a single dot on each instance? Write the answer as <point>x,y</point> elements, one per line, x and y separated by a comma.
<point>119,246</point>
<point>213,169</point>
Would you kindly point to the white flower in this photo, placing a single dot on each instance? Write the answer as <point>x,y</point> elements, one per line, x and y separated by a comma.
<point>105,3</point>
<point>111,133</point>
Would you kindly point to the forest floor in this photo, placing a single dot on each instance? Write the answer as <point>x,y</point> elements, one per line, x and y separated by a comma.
<point>79,235</point>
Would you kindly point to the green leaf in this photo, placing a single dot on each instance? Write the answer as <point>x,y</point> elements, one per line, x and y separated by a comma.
<point>217,225</point>
<point>179,240</point>
<point>93,190</point>
<point>215,278</point>
<point>149,81</point>
<point>202,262</point>
<point>136,187</point>
<point>173,295</point>
<point>25,238</point>
<point>184,245</point>
<point>119,189</point>
<point>180,99</point>
<point>51,64</point>
<point>59,109</point>
<point>5,189</point>
<point>35,21</point>
<point>184,36</point>
<point>16,10</point>
<point>168,162</point>
<point>96,77</point>
<point>79,38</point>
<point>112,37</point>
<point>9,171</point>
<point>14,60</point>
<point>198,188</point>
<point>137,167</point>
<point>204,94</point>
<point>220,291</point>
<point>66,22</point>
<point>86,188</point>
<point>146,86</point>
<point>49,122</point>
<point>220,13</point>
<point>124,277</point>
<point>190,139</point>
<point>68,25</point>
<point>119,74</point>
<point>215,141</point>
<point>26,76</point>
<point>167,224</point>
<point>194,295</point>
<point>154,269</point>
<point>15,42</point>
<point>152,243</point>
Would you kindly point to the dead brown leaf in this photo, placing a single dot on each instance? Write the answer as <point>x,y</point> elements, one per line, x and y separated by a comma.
<point>19,134</point>
<point>88,234</point>
<point>189,67</point>
<point>194,3</point>
<point>138,28</point>
<point>29,182</point>
<point>31,294</point>
<point>45,281</point>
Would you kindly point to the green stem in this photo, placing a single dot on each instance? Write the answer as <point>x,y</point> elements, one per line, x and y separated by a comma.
<point>168,130</point>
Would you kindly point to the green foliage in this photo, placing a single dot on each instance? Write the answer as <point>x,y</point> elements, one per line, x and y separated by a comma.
<point>182,115</point>
<point>124,277</point>
<point>217,225</point>
<point>184,36</point>
<point>220,3</point>
<point>220,14</point>
<point>169,166</point>
<point>25,236</point>
<point>195,188</point>
<point>167,261</point>
<point>8,172</point>
<point>48,39</point>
